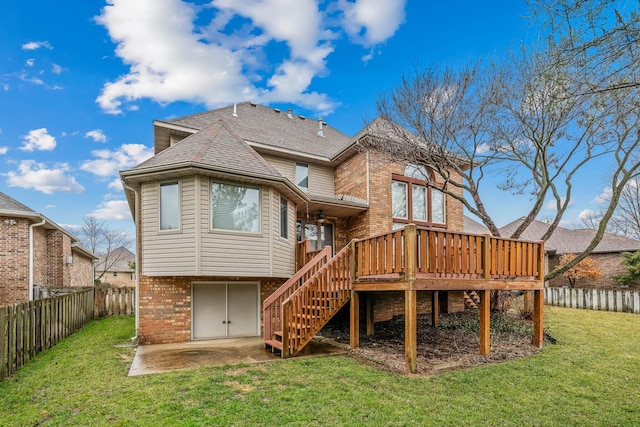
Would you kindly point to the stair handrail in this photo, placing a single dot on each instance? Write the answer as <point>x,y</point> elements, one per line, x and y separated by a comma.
<point>339,287</point>
<point>271,306</point>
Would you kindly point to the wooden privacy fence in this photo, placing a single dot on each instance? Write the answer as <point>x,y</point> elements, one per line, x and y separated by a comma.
<point>594,299</point>
<point>29,328</point>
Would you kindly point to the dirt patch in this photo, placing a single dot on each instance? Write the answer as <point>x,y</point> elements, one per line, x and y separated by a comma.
<point>454,344</point>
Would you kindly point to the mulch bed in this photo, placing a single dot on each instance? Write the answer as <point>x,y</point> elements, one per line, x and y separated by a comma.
<point>452,345</point>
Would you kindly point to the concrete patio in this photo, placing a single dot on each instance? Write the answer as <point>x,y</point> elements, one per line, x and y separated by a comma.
<point>159,358</point>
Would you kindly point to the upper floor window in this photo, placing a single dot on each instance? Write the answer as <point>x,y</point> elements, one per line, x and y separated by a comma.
<point>169,206</point>
<point>284,218</point>
<point>415,198</point>
<point>235,207</point>
<point>302,176</point>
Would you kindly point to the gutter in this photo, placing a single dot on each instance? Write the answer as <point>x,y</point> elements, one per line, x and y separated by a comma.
<point>31,227</point>
<point>138,255</point>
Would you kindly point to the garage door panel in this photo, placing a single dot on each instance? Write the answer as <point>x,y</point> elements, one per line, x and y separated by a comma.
<point>243,309</point>
<point>209,311</point>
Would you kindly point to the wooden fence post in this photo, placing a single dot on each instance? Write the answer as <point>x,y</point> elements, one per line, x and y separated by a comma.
<point>3,349</point>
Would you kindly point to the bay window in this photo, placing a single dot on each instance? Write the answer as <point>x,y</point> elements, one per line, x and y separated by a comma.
<point>235,207</point>
<point>169,206</point>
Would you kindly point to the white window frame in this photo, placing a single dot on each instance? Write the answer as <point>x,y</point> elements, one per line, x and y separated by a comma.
<point>235,184</point>
<point>179,228</point>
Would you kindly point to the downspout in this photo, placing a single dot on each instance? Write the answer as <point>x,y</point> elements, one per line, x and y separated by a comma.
<point>31,227</point>
<point>138,257</point>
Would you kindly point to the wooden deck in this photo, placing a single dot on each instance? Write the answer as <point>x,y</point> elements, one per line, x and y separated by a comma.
<point>408,260</point>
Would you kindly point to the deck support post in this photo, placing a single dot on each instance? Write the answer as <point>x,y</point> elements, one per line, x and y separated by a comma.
<point>370,322</point>
<point>435,308</point>
<point>538,318</point>
<point>354,324</point>
<point>410,330</point>
<point>527,301</point>
<point>410,297</point>
<point>485,322</point>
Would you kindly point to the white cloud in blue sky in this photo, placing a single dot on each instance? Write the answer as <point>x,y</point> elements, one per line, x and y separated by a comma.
<point>38,140</point>
<point>97,135</point>
<point>107,162</point>
<point>37,45</point>
<point>229,57</point>
<point>47,180</point>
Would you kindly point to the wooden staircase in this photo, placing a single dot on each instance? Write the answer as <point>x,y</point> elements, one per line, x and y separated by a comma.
<point>306,302</point>
<point>471,299</point>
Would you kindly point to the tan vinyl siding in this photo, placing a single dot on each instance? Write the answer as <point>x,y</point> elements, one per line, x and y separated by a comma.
<point>321,180</point>
<point>170,252</point>
<point>228,253</point>
<point>286,167</point>
<point>283,250</point>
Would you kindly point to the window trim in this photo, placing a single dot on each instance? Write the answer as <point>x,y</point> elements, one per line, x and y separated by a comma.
<point>178,182</point>
<point>236,184</point>
<point>284,205</point>
<point>295,176</point>
<point>410,182</point>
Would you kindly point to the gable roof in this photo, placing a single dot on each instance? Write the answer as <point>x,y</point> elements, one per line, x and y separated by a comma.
<point>121,257</point>
<point>9,204</point>
<point>566,241</point>
<point>11,207</point>
<point>269,128</point>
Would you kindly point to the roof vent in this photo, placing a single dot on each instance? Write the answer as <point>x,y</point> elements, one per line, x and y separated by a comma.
<point>277,110</point>
<point>289,113</point>
<point>302,117</point>
<point>320,132</point>
<point>235,110</point>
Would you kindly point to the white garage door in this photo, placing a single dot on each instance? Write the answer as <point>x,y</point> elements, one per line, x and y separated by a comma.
<point>225,310</point>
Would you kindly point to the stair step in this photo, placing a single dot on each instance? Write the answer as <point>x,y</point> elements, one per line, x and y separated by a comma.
<point>278,334</point>
<point>274,344</point>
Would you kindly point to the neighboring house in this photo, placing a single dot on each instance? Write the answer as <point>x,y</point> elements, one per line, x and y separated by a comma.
<point>37,252</point>
<point>120,268</point>
<point>606,255</point>
<point>221,206</point>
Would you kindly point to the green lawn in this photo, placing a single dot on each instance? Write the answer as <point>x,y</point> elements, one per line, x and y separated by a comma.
<point>591,377</point>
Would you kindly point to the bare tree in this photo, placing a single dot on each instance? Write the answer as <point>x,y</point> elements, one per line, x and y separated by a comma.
<point>626,219</point>
<point>103,240</point>
<point>539,119</point>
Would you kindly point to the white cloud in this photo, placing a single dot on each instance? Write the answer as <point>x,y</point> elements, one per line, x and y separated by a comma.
<point>30,62</point>
<point>585,214</point>
<point>116,184</point>
<point>3,150</point>
<point>603,197</point>
<point>112,210</point>
<point>37,176</point>
<point>56,69</point>
<point>370,22</point>
<point>50,207</point>
<point>109,162</point>
<point>38,139</point>
<point>552,204</point>
<point>36,45</point>
<point>97,135</point>
<point>176,52</point>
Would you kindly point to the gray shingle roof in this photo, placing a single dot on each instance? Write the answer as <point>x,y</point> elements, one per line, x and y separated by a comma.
<point>271,127</point>
<point>215,146</point>
<point>118,260</point>
<point>565,241</point>
<point>10,204</point>
<point>472,226</point>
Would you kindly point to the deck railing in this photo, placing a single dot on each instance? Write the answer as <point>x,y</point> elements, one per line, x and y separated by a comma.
<point>272,313</point>
<point>307,310</point>
<point>446,254</point>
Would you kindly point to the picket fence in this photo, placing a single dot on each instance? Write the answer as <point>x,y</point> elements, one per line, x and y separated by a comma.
<point>29,328</point>
<point>594,299</point>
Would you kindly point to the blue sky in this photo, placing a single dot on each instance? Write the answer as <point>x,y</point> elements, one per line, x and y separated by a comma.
<point>81,81</point>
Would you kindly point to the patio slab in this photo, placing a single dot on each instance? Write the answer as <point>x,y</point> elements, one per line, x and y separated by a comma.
<point>159,358</point>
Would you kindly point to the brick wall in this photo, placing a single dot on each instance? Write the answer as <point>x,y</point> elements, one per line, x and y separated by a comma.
<point>14,260</point>
<point>387,305</point>
<point>81,271</point>
<point>165,305</point>
<point>610,264</point>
